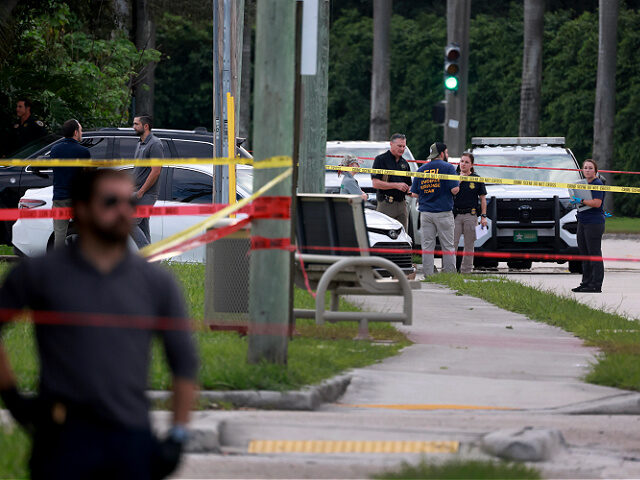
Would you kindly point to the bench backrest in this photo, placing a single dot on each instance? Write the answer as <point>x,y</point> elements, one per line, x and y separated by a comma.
<point>331,221</point>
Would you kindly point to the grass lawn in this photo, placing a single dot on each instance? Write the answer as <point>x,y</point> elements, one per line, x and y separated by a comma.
<point>15,447</point>
<point>622,225</point>
<point>617,337</point>
<point>461,469</point>
<point>315,353</point>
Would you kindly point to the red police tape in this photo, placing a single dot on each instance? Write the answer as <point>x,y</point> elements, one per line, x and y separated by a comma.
<point>262,207</point>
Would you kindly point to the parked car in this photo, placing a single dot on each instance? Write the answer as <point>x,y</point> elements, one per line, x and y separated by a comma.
<point>180,184</point>
<point>525,219</point>
<point>103,143</point>
<point>367,151</point>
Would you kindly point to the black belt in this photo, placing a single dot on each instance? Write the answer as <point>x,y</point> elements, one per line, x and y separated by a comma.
<point>462,211</point>
<point>391,199</point>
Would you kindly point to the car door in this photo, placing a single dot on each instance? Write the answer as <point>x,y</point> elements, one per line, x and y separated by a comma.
<point>187,185</point>
<point>126,148</point>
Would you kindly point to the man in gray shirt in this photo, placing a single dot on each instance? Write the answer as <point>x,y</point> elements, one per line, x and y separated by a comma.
<point>145,179</point>
<point>96,307</point>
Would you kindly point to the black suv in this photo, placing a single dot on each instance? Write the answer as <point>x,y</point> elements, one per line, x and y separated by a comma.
<point>104,143</point>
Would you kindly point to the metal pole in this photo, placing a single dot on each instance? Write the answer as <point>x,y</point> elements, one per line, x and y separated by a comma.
<point>455,125</point>
<point>226,87</point>
<point>273,135</point>
<point>217,116</point>
<point>315,90</point>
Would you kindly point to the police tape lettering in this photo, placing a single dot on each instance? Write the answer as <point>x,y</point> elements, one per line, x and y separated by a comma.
<point>501,181</point>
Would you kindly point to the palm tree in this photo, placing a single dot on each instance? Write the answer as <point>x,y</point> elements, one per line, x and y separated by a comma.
<point>380,83</point>
<point>531,68</point>
<point>604,115</point>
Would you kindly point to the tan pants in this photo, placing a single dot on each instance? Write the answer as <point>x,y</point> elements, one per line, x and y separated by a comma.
<point>396,210</point>
<point>465,224</point>
<point>60,226</point>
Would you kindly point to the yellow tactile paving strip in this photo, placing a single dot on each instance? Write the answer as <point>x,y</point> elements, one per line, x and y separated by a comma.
<point>430,406</point>
<point>351,446</point>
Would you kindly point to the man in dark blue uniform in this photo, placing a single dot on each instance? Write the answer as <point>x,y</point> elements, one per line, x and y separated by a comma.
<point>391,190</point>
<point>28,128</point>
<point>63,177</point>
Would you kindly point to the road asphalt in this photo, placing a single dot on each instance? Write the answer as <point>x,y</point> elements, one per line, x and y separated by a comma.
<point>473,369</point>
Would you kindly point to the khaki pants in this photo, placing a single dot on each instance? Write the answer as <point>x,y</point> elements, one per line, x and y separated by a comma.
<point>440,224</point>
<point>465,224</point>
<point>396,210</point>
<point>60,226</point>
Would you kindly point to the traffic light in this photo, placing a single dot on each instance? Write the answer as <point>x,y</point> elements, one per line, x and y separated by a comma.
<point>452,67</point>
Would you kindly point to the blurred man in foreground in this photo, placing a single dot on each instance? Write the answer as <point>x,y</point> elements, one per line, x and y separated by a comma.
<point>96,307</point>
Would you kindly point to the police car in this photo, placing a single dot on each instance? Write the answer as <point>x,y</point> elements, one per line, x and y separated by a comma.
<point>527,219</point>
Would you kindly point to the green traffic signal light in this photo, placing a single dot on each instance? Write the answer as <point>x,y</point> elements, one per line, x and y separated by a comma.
<point>451,83</point>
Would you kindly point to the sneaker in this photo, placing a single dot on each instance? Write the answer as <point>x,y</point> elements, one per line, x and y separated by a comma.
<point>579,288</point>
<point>591,290</point>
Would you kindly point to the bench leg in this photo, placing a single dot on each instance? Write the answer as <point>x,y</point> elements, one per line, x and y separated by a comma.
<point>363,330</point>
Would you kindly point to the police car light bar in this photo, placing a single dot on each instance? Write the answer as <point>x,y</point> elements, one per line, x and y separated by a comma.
<point>517,141</point>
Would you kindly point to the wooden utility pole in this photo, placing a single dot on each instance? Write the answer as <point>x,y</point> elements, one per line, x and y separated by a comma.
<point>531,68</point>
<point>145,34</point>
<point>315,90</point>
<point>272,135</point>
<point>455,122</point>
<point>380,83</point>
<point>605,108</point>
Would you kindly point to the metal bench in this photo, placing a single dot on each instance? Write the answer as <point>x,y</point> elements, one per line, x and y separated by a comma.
<point>328,222</point>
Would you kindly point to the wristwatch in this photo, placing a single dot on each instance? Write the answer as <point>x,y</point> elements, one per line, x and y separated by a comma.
<point>178,434</point>
<point>484,215</point>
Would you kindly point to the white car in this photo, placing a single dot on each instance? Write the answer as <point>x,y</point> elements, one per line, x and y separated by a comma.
<point>367,151</point>
<point>180,184</point>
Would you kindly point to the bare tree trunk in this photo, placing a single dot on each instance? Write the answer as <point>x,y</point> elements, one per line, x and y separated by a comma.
<point>122,20</point>
<point>246,73</point>
<point>531,68</point>
<point>145,30</point>
<point>380,83</point>
<point>604,115</point>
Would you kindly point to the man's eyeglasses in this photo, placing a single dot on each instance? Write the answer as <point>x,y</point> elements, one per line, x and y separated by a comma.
<point>112,201</point>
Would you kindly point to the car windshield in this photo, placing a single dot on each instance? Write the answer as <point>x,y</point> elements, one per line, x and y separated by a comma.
<point>34,146</point>
<point>549,161</point>
<point>366,155</point>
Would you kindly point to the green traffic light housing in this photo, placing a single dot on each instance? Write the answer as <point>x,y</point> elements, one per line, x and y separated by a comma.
<point>451,83</point>
<point>452,56</point>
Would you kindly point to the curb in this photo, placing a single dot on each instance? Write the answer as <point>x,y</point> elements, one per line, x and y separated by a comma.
<point>308,398</point>
<point>623,404</point>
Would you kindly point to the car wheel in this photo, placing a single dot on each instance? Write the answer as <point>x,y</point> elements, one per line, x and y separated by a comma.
<point>575,267</point>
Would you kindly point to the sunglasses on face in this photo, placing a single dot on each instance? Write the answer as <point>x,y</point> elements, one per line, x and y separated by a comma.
<point>112,201</point>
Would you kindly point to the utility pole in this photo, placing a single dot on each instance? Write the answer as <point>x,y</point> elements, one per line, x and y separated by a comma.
<point>455,125</point>
<point>272,135</point>
<point>315,90</point>
<point>380,80</point>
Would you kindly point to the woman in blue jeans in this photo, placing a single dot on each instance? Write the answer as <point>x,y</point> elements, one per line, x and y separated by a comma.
<point>590,230</point>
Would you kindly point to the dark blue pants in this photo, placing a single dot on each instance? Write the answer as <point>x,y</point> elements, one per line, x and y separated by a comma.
<point>590,243</point>
<point>81,450</point>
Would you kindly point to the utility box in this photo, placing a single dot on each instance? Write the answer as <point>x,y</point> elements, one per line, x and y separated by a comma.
<point>226,299</point>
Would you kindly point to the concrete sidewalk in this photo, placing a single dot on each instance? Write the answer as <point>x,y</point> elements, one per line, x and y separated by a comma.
<point>469,353</point>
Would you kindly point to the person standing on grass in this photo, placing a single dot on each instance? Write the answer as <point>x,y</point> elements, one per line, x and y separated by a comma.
<point>145,178</point>
<point>96,307</point>
<point>590,230</point>
<point>68,147</point>
<point>466,211</point>
<point>435,203</point>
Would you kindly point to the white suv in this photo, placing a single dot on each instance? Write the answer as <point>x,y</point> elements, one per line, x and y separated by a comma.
<point>525,219</point>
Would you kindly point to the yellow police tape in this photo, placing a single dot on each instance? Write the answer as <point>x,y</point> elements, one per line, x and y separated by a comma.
<point>169,242</point>
<point>502,181</point>
<point>272,162</point>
